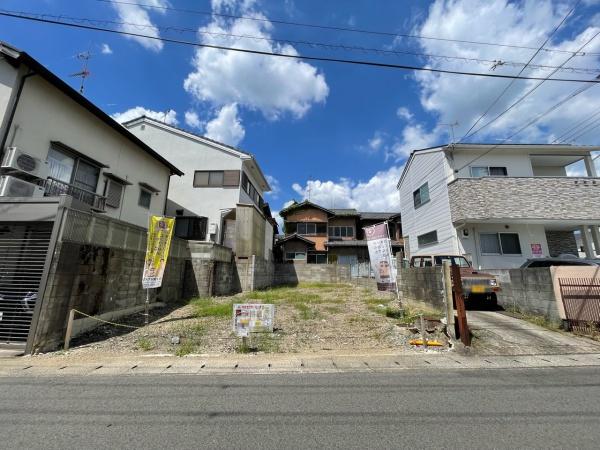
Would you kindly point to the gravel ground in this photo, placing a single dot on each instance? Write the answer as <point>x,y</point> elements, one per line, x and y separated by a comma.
<point>313,317</point>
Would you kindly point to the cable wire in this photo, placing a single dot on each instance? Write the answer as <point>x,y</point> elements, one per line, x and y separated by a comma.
<point>493,63</point>
<point>510,84</point>
<point>573,130</point>
<point>260,18</point>
<point>40,18</point>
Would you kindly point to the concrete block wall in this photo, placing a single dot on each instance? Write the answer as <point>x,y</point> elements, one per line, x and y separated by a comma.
<point>96,280</point>
<point>529,290</point>
<point>423,285</point>
<point>299,272</point>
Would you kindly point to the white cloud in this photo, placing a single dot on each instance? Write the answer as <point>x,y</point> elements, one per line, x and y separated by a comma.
<point>404,113</point>
<point>226,127</point>
<point>168,117</point>
<point>377,194</point>
<point>452,98</point>
<point>192,119</point>
<point>106,50</point>
<point>376,142</point>
<point>275,186</point>
<point>274,86</point>
<point>232,5</point>
<point>136,19</point>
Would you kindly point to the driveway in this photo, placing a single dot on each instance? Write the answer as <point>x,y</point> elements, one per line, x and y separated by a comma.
<point>499,334</point>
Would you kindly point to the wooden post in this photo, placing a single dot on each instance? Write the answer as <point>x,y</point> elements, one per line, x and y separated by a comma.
<point>463,327</point>
<point>448,298</point>
<point>69,329</point>
<point>423,331</point>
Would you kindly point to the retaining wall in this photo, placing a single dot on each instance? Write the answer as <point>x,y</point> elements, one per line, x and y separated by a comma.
<point>423,285</point>
<point>299,272</point>
<point>529,290</point>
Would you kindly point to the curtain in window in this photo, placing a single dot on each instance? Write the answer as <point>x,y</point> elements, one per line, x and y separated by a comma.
<point>490,243</point>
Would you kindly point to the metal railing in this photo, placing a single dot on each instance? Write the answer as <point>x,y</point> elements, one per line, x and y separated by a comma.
<point>55,187</point>
<point>581,299</point>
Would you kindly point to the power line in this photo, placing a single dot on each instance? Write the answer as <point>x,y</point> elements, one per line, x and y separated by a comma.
<point>520,72</point>
<point>494,63</point>
<point>39,18</point>
<point>533,89</point>
<point>564,137</point>
<point>332,28</point>
<point>590,127</point>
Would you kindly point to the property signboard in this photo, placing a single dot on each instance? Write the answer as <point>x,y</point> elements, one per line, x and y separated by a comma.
<point>380,254</point>
<point>160,232</point>
<point>536,250</point>
<point>252,318</point>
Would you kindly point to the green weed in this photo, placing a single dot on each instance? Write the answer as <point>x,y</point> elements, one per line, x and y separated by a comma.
<point>206,307</point>
<point>144,344</point>
<point>185,348</point>
<point>259,342</point>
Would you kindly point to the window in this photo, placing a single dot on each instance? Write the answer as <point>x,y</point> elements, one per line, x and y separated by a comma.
<point>478,171</point>
<point>307,229</point>
<point>73,170</point>
<point>500,244</point>
<point>208,178</point>
<point>252,192</point>
<point>145,198</point>
<point>421,195</point>
<point>341,232</point>
<point>113,193</point>
<point>427,238</point>
<point>290,256</point>
<point>459,261</point>
<point>316,258</point>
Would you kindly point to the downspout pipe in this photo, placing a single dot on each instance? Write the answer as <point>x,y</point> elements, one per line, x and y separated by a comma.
<point>13,110</point>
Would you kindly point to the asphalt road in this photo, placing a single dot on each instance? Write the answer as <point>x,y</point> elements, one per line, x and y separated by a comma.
<point>521,408</point>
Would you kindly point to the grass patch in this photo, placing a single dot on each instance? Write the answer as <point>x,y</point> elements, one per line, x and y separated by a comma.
<point>306,312</point>
<point>411,314</point>
<point>284,295</point>
<point>206,307</point>
<point>317,285</point>
<point>535,319</point>
<point>144,344</point>
<point>394,313</point>
<point>185,348</point>
<point>374,301</point>
<point>333,309</point>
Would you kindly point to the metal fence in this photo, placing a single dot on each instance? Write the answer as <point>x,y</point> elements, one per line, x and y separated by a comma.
<point>581,299</point>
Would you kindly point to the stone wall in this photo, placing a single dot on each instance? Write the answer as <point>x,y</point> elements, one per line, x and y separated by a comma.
<point>529,290</point>
<point>555,198</point>
<point>561,242</point>
<point>299,272</point>
<point>423,285</point>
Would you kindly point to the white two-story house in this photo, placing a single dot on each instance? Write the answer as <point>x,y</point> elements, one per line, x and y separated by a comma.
<point>499,204</point>
<point>222,184</point>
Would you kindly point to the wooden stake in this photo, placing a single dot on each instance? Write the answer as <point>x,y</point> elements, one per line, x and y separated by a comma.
<point>69,329</point>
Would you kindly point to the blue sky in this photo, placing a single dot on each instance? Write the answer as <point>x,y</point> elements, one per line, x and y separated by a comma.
<point>341,132</point>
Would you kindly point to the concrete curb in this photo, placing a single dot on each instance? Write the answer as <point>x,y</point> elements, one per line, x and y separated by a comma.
<point>276,364</point>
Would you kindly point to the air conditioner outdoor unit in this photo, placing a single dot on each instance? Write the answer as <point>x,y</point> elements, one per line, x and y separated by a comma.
<point>15,187</point>
<point>17,161</point>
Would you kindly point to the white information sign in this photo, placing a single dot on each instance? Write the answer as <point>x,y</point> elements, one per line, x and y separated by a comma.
<point>252,318</point>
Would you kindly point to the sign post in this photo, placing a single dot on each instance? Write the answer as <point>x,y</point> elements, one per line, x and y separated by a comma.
<point>382,258</point>
<point>160,232</point>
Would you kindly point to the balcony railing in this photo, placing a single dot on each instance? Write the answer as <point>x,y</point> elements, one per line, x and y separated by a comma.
<point>54,187</point>
<point>531,198</point>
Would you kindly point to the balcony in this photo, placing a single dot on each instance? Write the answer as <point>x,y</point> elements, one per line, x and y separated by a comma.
<point>494,199</point>
<point>54,188</point>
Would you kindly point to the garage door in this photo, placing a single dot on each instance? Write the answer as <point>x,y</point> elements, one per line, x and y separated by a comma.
<point>23,250</point>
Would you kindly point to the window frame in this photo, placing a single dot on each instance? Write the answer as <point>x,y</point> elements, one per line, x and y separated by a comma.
<point>488,170</point>
<point>427,244</point>
<point>418,194</point>
<point>335,231</point>
<point>208,180</point>
<point>498,237</point>
<point>145,191</point>
<point>295,256</point>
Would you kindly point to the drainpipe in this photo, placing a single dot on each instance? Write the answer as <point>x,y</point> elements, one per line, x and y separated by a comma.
<point>13,110</point>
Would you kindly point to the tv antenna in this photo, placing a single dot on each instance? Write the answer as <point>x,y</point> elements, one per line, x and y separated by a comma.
<point>84,57</point>
<point>451,125</point>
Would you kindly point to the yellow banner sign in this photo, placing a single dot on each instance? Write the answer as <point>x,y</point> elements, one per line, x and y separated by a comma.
<point>160,232</point>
